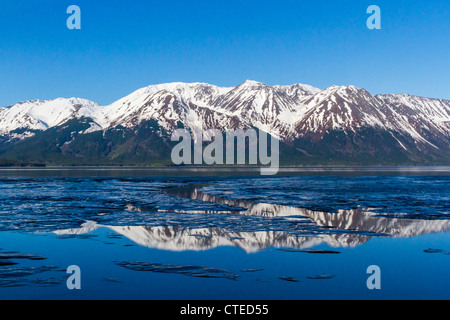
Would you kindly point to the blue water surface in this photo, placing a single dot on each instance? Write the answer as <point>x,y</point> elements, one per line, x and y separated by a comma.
<point>225,237</point>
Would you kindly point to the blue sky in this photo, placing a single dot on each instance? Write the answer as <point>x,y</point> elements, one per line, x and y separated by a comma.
<point>126,45</point>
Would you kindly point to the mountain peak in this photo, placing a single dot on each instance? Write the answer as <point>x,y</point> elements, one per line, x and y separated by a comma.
<point>252,83</point>
<point>345,91</point>
<point>336,87</point>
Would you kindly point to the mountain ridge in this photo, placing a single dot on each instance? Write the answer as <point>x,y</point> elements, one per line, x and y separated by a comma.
<point>308,120</point>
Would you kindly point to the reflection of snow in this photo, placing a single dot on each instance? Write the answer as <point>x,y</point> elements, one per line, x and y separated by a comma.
<point>347,228</point>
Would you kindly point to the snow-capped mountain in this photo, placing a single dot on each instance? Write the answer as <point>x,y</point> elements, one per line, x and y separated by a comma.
<point>350,108</point>
<point>302,116</point>
<point>41,115</point>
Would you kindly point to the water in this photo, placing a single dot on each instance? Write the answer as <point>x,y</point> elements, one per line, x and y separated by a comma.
<point>221,234</point>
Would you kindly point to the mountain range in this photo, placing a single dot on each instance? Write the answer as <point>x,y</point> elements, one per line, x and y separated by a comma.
<point>340,125</point>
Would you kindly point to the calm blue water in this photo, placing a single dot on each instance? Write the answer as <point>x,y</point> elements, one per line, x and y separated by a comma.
<point>232,237</point>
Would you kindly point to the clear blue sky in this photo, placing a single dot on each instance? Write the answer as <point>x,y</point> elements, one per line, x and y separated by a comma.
<point>125,45</point>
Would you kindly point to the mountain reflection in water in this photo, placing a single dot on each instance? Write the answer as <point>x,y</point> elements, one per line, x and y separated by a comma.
<point>287,227</point>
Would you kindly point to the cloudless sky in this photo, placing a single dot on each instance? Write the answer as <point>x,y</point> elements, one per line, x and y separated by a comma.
<point>125,45</point>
